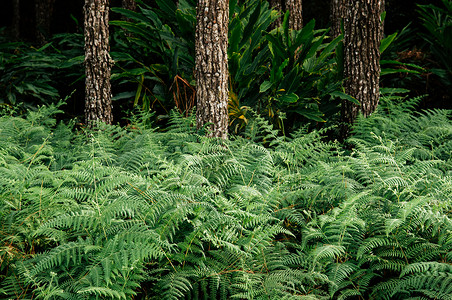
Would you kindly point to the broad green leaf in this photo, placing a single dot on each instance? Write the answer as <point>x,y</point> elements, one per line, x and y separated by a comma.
<point>279,73</point>
<point>124,95</point>
<point>288,98</point>
<point>235,37</point>
<point>249,27</point>
<point>265,86</point>
<point>306,34</point>
<point>386,71</point>
<point>276,47</point>
<point>396,62</point>
<point>309,65</point>
<point>153,17</point>
<point>384,44</point>
<point>331,46</point>
<point>128,14</point>
<point>167,6</point>
<point>138,93</point>
<point>344,96</point>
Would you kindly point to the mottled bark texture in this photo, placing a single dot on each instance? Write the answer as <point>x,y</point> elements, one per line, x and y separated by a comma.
<point>276,5</point>
<point>44,12</point>
<point>15,29</point>
<point>363,31</point>
<point>97,63</point>
<point>129,4</point>
<point>337,12</point>
<point>295,9</point>
<point>211,65</point>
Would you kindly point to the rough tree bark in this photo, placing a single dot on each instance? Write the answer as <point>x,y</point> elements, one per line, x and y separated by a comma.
<point>129,4</point>
<point>44,12</point>
<point>295,9</point>
<point>276,5</point>
<point>211,65</point>
<point>337,12</point>
<point>97,63</point>
<point>15,28</point>
<point>363,31</point>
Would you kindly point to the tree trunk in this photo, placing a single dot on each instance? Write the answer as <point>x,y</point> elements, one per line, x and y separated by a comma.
<point>363,31</point>
<point>336,16</point>
<point>295,9</point>
<point>211,65</point>
<point>276,5</point>
<point>44,12</point>
<point>97,63</point>
<point>129,4</point>
<point>15,28</point>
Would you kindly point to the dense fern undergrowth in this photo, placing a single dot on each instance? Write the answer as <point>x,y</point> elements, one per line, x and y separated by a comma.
<point>141,213</point>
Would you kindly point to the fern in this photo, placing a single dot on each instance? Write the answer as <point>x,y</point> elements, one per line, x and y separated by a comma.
<point>137,212</point>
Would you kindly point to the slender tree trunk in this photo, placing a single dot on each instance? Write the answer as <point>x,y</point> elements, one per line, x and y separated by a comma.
<point>276,5</point>
<point>129,4</point>
<point>337,12</point>
<point>295,9</point>
<point>44,12</point>
<point>363,31</point>
<point>211,65</point>
<point>97,63</point>
<point>15,28</point>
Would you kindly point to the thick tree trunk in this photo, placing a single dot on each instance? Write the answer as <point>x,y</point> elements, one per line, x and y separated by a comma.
<point>211,65</point>
<point>97,63</point>
<point>295,9</point>
<point>337,12</point>
<point>363,31</point>
<point>15,28</point>
<point>44,12</point>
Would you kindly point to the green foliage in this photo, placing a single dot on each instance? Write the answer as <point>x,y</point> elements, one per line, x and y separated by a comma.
<point>390,62</point>
<point>438,23</point>
<point>302,73</point>
<point>154,54</point>
<point>30,76</point>
<point>135,212</point>
<point>380,214</point>
<point>283,73</point>
<point>279,74</point>
<point>185,214</point>
<point>25,73</point>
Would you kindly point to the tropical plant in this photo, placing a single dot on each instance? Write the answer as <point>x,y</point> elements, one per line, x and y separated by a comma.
<point>302,72</point>
<point>34,76</point>
<point>282,74</point>
<point>156,61</point>
<point>154,56</point>
<point>438,23</point>
<point>26,73</point>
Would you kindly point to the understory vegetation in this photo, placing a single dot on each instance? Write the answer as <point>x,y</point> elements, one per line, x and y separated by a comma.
<point>151,208</point>
<point>139,212</point>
